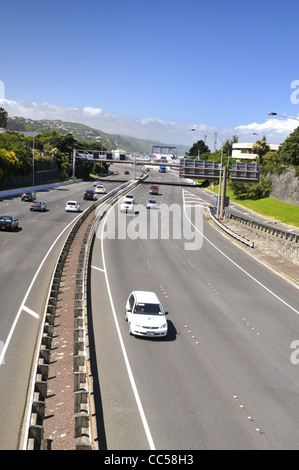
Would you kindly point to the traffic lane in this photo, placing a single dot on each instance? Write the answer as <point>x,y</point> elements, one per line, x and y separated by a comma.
<point>22,308</point>
<point>21,255</point>
<point>158,270</point>
<point>22,251</point>
<point>56,197</point>
<point>182,413</point>
<point>119,423</point>
<point>248,343</point>
<point>267,306</point>
<point>151,364</point>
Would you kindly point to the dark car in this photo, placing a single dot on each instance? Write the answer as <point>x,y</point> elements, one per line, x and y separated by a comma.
<point>28,196</point>
<point>90,195</point>
<point>38,206</point>
<point>7,222</point>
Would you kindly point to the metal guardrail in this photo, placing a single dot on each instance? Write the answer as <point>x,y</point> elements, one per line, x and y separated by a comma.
<point>230,232</point>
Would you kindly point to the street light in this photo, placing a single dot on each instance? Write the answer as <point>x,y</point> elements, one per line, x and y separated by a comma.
<point>33,135</point>
<point>281,115</point>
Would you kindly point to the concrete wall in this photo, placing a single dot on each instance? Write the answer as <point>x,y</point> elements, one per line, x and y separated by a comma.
<point>285,187</point>
<point>19,191</point>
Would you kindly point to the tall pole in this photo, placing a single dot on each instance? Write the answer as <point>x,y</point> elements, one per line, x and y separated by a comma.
<point>74,164</point>
<point>223,192</point>
<point>219,190</point>
<point>33,162</point>
<point>134,168</point>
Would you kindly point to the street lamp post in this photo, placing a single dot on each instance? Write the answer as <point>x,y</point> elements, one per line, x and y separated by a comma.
<point>33,161</point>
<point>281,115</point>
<point>34,133</point>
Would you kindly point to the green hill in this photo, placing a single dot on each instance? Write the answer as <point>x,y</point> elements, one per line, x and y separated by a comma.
<point>87,134</point>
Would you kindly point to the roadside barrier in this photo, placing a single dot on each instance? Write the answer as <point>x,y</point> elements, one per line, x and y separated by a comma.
<point>230,232</point>
<point>266,228</point>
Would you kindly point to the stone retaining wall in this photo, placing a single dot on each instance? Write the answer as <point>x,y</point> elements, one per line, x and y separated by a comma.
<point>286,247</point>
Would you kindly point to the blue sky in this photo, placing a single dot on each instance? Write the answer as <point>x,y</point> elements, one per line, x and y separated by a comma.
<point>154,69</point>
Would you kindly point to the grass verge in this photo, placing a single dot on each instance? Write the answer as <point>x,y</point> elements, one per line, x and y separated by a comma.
<point>269,207</point>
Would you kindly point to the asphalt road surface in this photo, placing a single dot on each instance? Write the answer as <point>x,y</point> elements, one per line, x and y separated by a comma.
<point>28,258</point>
<point>223,377</point>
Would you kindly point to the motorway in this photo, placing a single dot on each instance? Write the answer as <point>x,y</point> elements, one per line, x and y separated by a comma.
<point>28,258</point>
<point>223,378</point>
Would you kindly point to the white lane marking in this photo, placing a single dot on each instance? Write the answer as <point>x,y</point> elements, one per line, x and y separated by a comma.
<point>242,269</point>
<point>8,339</point>
<point>129,370</point>
<point>31,312</point>
<point>98,269</point>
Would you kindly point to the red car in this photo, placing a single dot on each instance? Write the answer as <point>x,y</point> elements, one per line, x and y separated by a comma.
<point>154,189</point>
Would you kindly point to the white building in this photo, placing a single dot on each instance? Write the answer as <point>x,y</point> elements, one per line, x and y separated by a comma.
<point>244,152</point>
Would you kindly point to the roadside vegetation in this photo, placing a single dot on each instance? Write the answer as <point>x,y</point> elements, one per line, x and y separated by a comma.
<point>255,196</point>
<point>267,206</point>
<point>50,149</point>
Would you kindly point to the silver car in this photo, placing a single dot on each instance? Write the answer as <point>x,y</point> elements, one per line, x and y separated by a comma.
<point>38,206</point>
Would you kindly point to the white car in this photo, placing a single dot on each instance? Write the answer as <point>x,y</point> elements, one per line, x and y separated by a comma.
<point>152,204</point>
<point>72,206</point>
<point>127,205</point>
<point>145,315</point>
<point>131,197</point>
<point>100,189</point>
<point>97,182</point>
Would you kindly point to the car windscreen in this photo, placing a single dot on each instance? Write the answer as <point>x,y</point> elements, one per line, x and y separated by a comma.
<point>148,308</point>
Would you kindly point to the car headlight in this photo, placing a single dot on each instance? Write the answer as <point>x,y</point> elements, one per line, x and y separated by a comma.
<point>136,324</point>
<point>163,326</point>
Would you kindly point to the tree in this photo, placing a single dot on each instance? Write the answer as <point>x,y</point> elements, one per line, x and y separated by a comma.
<point>288,152</point>
<point>198,149</point>
<point>66,143</point>
<point>3,117</point>
<point>251,190</point>
<point>261,147</point>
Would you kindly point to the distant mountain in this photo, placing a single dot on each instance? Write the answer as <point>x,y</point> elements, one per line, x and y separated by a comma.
<point>88,134</point>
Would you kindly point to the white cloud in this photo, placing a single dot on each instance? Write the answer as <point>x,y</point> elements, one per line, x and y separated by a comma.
<point>92,112</point>
<point>276,130</point>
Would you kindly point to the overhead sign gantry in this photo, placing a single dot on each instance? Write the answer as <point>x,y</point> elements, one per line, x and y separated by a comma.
<point>245,172</point>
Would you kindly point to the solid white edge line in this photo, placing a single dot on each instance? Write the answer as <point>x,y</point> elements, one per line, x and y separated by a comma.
<point>129,370</point>
<point>241,269</point>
